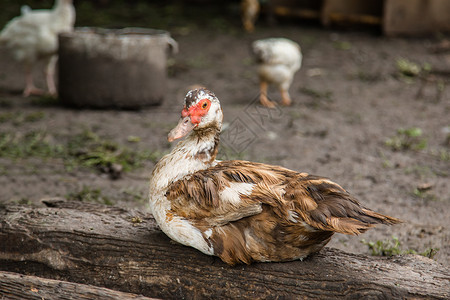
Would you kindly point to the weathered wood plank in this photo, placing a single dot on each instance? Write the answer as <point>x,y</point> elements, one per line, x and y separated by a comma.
<point>23,287</point>
<point>124,250</point>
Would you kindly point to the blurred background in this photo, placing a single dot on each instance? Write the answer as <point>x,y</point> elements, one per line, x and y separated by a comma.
<point>392,17</point>
<point>370,109</point>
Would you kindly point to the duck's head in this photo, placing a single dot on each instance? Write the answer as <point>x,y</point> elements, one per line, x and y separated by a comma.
<point>201,111</point>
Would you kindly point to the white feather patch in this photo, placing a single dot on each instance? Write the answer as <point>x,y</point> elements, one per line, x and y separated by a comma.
<point>308,227</point>
<point>233,193</point>
<point>302,238</point>
<point>208,233</point>
<point>292,216</point>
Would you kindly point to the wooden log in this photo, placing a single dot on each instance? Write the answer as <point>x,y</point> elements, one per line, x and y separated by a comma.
<point>23,287</point>
<point>124,250</point>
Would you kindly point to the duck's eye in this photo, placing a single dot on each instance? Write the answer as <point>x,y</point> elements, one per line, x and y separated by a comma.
<point>205,105</point>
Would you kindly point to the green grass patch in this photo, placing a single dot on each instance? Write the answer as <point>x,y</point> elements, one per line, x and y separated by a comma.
<point>409,70</point>
<point>18,118</point>
<point>31,144</point>
<point>45,101</point>
<point>441,154</point>
<point>407,139</point>
<point>86,149</point>
<point>393,247</point>
<point>90,150</point>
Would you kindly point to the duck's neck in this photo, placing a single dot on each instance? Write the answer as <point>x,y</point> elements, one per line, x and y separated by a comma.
<point>197,152</point>
<point>202,144</point>
<point>64,12</point>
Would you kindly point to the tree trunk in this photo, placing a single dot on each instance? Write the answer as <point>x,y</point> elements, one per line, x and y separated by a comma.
<point>124,250</point>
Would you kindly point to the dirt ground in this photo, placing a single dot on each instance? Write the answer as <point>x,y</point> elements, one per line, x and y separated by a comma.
<point>348,100</point>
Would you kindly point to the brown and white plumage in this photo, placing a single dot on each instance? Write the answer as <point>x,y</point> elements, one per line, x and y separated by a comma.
<point>243,211</point>
<point>33,36</point>
<point>278,60</point>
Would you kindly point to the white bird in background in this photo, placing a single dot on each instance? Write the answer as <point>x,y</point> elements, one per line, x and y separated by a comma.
<point>33,37</point>
<point>278,60</point>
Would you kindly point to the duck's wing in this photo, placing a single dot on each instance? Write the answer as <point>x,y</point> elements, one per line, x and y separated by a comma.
<point>227,192</point>
<point>233,190</point>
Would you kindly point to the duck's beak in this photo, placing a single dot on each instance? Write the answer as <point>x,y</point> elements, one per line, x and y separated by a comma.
<point>183,127</point>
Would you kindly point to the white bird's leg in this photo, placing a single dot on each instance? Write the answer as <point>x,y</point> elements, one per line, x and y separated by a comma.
<point>263,95</point>
<point>50,75</point>
<point>30,88</point>
<point>285,98</point>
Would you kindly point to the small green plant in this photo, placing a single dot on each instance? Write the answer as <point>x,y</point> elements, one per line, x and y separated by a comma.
<point>384,248</point>
<point>442,154</point>
<point>407,139</point>
<point>408,68</point>
<point>430,252</point>
<point>31,144</point>
<point>424,194</point>
<point>84,149</point>
<point>392,247</point>
<point>23,201</point>
<point>89,149</point>
<point>45,101</point>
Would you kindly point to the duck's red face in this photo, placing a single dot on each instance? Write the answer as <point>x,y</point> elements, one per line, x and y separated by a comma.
<point>197,111</point>
<point>190,118</point>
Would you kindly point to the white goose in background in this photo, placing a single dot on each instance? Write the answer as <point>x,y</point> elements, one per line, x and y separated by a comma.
<point>243,211</point>
<point>278,60</point>
<point>33,37</point>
